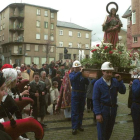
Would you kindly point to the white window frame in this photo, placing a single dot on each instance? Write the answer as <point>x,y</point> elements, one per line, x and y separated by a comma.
<point>43,60</point>
<point>45,37</point>
<point>52,26</point>
<point>70,33</point>
<point>70,45</point>
<point>52,38</point>
<point>46,13</point>
<point>135,39</point>
<point>28,48</point>
<point>3,37</point>
<point>36,48</point>
<point>38,12</point>
<point>37,36</point>
<point>129,20</point>
<point>37,23</point>
<point>44,49</point>
<point>60,32</point>
<point>28,60</point>
<point>60,44</point>
<point>15,49</point>
<point>86,46</point>
<point>45,23</point>
<point>79,45</point>
<point>52,49</point>
<point>133,17</point>
<point>78,34</point>
<point>87,35</point>
<point>36,60</point>
<point>52,15</point>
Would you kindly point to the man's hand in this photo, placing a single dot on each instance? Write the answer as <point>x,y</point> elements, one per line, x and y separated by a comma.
<point>37,94</point>
<point>25,92</point>
<point>99,118</point>
<point>43,93</point>
<point>118,77</point>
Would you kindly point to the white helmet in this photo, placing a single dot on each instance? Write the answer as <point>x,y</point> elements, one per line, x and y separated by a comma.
<point>107,66</point>
<point>76,63</point>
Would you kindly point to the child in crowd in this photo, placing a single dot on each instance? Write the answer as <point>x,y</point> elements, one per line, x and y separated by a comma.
<point>54,93</point>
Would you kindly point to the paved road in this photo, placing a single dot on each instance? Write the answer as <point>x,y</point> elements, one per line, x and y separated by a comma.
<point>58,128</point>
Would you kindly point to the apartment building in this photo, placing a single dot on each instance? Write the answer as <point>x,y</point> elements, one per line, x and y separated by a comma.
<point>27,33</point>
<point>72,37</point>
<point>133,25</point>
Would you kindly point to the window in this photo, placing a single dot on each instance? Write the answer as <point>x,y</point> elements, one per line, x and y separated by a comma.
<point>36,60</point>
<point>36,47</point>
<point>133,17</point>
<point>52,49</point>
<point>37,23</point>
<point>45,24</point>
<point>135,39</point>
<point>1,27</point>
<point>28,60</point>
<point>15,49</point>
<point>70,45</point>
<point>38,12</point>
<point>52,38</point>
<point>3,37</point>
<point>87,35</point>
<point>44,48</point>
<point>60,44</point>
<point>86,46</point>
<point>79,34</point>
<point>60,32</point>
<point>52,15</point>
<point>70,33</point>
<point>43,60</point>
<point>52,26</point>
<point>79,45</point>
<point>27,47</point>
<point>46,13</point>
<point>128,20</point>
<point>37,36</point>
<point>45,37</point>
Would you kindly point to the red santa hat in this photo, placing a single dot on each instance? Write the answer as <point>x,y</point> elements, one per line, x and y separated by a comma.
<point>6,66</point>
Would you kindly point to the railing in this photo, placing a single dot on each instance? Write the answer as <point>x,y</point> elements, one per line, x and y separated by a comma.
<point>17,27</point>
<point>17,39</point>
<point>21,14</point>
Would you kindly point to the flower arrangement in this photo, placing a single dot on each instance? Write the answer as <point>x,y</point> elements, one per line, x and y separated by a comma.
<point>119,56</point>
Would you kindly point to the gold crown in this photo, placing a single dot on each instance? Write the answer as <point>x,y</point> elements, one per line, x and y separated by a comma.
<point>76,64</point>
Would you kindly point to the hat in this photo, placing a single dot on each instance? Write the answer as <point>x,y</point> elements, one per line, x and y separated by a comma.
<point>5,66</point>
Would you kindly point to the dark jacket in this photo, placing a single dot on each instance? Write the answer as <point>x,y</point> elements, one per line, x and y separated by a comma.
<point>46,70</point>
<point>103,94</point>
<point>41,87</point>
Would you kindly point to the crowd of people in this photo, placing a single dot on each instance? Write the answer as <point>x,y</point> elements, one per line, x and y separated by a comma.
<point>67,89</point>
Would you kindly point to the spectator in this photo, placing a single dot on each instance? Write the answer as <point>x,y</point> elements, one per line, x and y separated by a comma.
<point>44,69</point>
<point>54,95</point>
<point>29,72</point>
<point>54,70</point>
<point>34,68</point>
<point>62,70</point>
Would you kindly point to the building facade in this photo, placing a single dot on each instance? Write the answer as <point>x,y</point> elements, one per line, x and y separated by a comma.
<point>74,38</point>
<point>28,33</point>
<point>133,25</point>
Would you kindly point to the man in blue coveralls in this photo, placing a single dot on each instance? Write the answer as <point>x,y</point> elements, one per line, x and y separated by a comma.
<point>78,96</point>
<point>135,108</point>
<point>105,100</point>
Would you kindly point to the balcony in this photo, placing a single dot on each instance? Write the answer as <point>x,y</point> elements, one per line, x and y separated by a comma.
<point>17,39</point>
<point>15,16</point>
<point>16,28</point>
<point>18,52</point>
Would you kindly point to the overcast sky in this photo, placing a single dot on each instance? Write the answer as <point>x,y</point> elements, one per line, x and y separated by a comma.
<point>87,13</point>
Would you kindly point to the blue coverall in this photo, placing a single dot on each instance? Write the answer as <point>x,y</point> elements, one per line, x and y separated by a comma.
<point>78,97</point>
<point>135,108</point>
<point>105,104</point>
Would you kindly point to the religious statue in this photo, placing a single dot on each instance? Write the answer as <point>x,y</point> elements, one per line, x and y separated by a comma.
<point>112,26</point>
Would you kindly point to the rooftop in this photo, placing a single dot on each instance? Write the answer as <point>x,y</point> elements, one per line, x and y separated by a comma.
<point>127,13</point>
<point>22,4</point>
<point>71,25</point>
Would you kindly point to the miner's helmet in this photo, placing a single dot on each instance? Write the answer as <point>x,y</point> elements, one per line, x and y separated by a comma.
<point>76,63</point>
<point>107,66</point>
